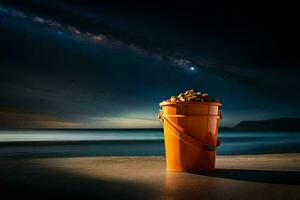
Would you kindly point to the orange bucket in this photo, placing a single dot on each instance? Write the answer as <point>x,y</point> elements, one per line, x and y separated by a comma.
<point>191,134</point>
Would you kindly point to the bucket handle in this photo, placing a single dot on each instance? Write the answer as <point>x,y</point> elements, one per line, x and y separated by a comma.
<point>182,135</point>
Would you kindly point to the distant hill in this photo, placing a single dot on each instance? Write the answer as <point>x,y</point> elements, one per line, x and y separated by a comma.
<point>280,124</point>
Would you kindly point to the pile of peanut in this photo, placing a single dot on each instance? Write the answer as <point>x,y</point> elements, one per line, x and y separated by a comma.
<point>192,96</point>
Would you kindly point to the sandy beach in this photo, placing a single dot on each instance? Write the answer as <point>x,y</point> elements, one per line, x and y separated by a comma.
<point>274,176</point>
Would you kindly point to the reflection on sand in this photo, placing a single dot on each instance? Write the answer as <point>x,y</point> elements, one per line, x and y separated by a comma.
<point>179,185</point>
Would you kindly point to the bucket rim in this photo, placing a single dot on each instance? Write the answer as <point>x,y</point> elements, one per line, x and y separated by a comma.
<point>214,103</point>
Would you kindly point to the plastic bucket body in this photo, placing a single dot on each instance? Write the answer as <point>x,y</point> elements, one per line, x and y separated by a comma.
<point>191,135</point>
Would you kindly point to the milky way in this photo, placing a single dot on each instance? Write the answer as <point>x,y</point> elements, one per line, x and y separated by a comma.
<point>94,37</point>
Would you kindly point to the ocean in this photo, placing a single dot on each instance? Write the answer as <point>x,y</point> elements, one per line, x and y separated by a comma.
<point>132,142</point>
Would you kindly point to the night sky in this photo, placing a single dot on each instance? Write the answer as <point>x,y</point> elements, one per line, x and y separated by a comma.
<point>106,64</point>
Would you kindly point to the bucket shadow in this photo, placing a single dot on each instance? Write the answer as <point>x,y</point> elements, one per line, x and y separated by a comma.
<point>261,176</point>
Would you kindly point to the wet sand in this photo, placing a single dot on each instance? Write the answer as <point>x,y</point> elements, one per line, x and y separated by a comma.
<point>274,176</point>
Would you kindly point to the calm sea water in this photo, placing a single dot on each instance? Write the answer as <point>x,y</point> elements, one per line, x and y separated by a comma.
<point>65,143</point>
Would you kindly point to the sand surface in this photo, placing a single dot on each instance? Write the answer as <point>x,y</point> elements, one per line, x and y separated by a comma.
<point>275,176</point>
